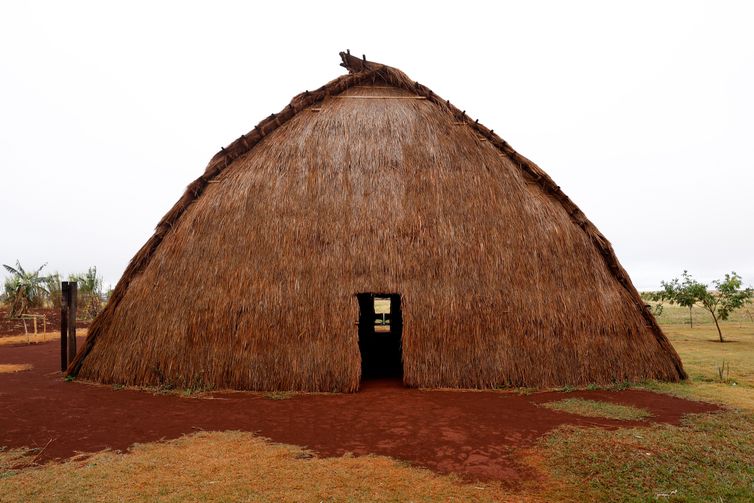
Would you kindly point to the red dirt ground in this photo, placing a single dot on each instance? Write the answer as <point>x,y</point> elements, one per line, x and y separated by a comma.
<point>474,434</point>
<point>9,326</point>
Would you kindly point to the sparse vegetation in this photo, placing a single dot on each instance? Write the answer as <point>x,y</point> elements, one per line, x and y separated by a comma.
<point>230,466</point>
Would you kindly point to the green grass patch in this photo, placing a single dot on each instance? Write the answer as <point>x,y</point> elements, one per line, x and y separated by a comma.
<point>708,458</point>
<point>278,395</point>
<point>594,408</point>
<point>703,359</point>
<point>703,356</point>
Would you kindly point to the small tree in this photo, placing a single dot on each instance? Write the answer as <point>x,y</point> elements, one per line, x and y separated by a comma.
<point>684,293</point>
<point>726,298</point>
<point>720,302</point>
<point>657,297</point>
<point>24,289</point>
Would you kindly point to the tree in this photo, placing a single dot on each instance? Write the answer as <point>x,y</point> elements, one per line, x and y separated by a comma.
<point>648,297</point>
<point>726,298</point>
<point>720,302</point>
<point>684,293</point>
<point>24,289</point>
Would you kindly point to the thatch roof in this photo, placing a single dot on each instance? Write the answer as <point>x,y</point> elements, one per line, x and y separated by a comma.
<point>373,183</point>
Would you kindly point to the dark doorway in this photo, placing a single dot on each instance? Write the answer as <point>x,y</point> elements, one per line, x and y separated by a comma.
<point>380,327</point>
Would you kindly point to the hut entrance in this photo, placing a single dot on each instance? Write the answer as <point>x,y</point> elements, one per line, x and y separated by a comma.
<point>380,327</point>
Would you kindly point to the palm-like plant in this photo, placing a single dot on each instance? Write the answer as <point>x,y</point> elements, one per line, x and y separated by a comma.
<point>89,282</point>
<point>54,290</point>
<point>89,292</point>
<point>24,289</point>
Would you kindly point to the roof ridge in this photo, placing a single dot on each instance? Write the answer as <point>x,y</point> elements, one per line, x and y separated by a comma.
<point>355,65</point>
<point>360,70</point>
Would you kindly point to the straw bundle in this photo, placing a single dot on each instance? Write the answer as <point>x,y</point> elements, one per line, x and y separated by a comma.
<point>373,183</point>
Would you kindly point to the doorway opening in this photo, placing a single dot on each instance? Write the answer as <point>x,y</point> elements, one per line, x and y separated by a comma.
<point>380,328</point>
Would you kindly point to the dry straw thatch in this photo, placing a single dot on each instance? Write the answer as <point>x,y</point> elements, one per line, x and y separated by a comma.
<point>373,183</point>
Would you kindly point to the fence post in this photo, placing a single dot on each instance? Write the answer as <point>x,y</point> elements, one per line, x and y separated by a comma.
<point>64,296</point>
<point>72,292</point>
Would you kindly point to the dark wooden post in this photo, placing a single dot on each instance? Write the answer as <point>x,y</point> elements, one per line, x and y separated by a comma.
<point>72,291</point>
<point>64,291</point>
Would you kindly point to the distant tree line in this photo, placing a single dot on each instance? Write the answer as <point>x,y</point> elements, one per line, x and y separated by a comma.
<point>26,289</point>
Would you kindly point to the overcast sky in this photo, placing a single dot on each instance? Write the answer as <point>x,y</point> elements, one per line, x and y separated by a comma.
<point>643,113</point>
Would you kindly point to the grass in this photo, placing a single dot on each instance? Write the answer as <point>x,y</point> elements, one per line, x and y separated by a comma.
<point>594,408</point>
<point>677,315</point>
<point>278,395</point>
<point>710,457</point>
<point>7,368</point>
<point>231,466</point>
<point>702,358</point>
<point>10,460</point>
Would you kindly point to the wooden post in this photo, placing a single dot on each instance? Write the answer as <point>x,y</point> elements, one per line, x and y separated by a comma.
<point>72,292</point>
<point>64,296</point>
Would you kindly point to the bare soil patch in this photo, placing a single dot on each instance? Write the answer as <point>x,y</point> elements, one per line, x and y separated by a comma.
<point>477,435</point>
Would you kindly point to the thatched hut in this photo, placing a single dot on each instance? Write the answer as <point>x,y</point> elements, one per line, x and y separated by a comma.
<point>266,273</point>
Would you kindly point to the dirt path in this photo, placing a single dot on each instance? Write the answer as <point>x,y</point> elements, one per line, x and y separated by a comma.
<point>474,434</point>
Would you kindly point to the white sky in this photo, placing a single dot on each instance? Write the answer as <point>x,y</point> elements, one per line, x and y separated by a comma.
<point>643,112</point>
